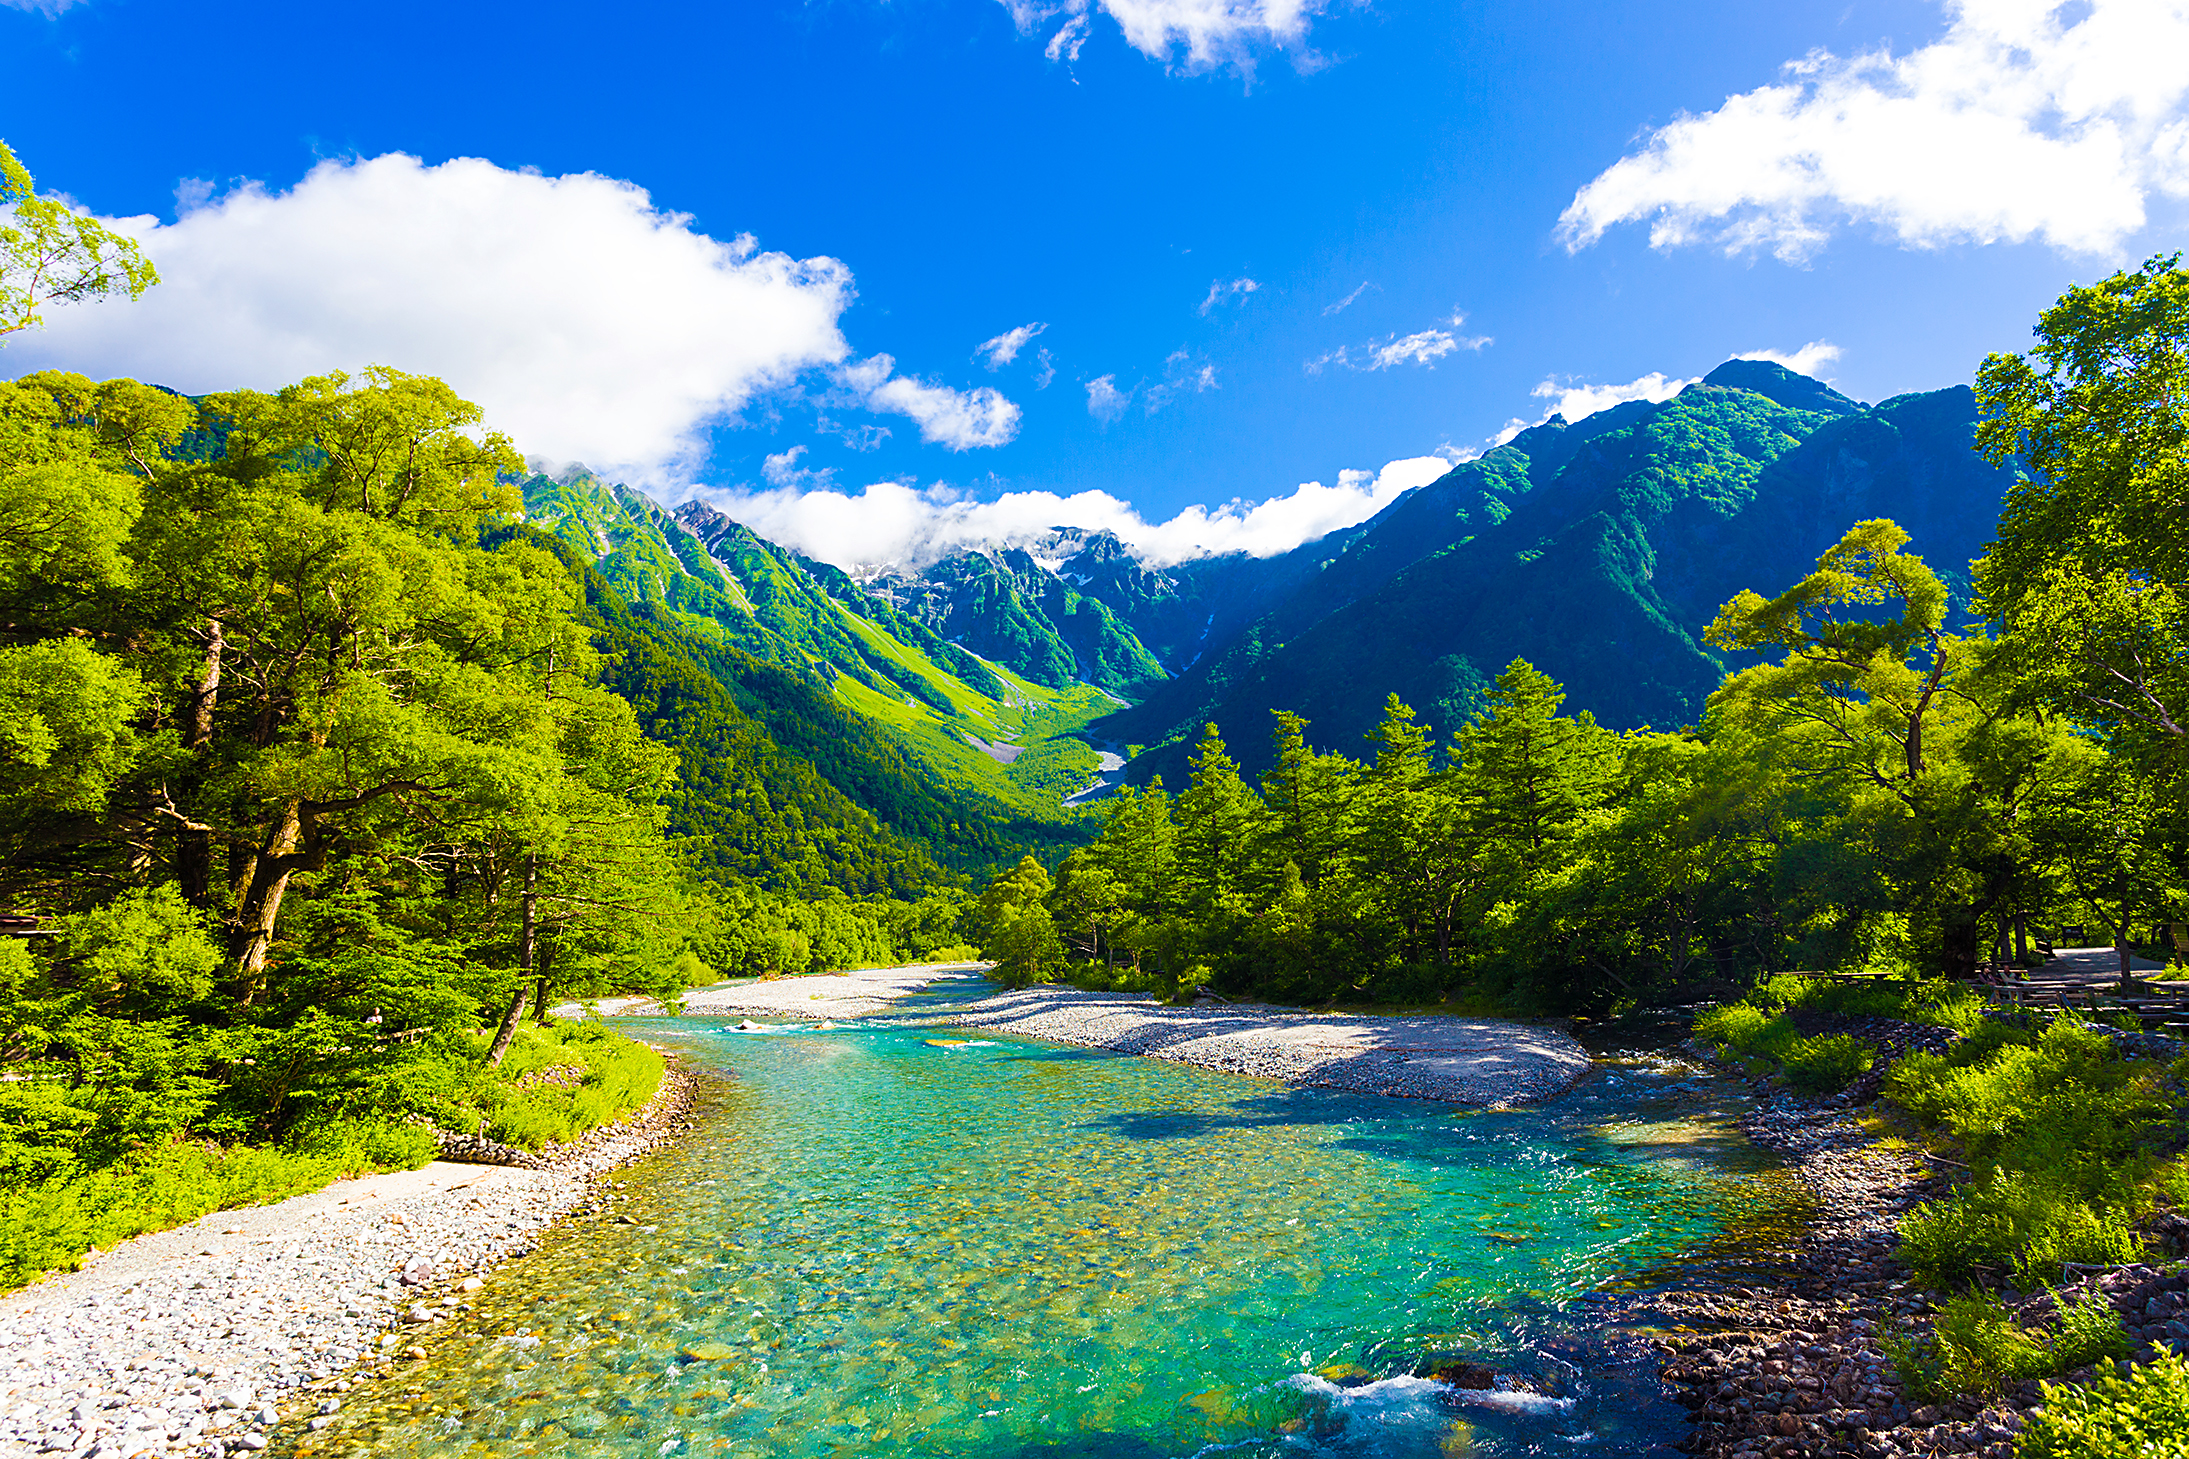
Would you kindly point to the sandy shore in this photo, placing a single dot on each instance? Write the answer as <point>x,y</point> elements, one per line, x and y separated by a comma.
<point>199,1339</point>
<point>1477,1061</point>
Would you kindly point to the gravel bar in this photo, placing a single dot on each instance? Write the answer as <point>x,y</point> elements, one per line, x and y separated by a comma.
<point>201,1339</point>
<point>1475,1061</point>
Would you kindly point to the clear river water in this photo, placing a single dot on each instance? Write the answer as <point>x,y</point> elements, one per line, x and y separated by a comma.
<point>914,1241</point>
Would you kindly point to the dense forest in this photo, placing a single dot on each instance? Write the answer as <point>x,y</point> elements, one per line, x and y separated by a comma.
<point>1877,790</point>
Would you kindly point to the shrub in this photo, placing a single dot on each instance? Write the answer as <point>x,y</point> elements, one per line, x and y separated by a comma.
<point>1828,1064</point>
<point>2011,1218</point>
<point>1976,1346</point>
<point>2144,1415</point>
<point>557,1083</point>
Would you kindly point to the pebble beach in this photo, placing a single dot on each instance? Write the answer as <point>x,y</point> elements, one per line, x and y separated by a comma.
<point>202,1339</point>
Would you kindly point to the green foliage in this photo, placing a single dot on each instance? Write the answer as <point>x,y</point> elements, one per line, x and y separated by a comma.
<point>2011,1221</point>
<point>2143,1414</point>
<point>2091,563</point>
<point>52,254</point>
<point>1821,1065</point>
<point>1976,1346</point>
<point>560,1081</point>
<point>1826,1065</point>
<point>2054,1126</point>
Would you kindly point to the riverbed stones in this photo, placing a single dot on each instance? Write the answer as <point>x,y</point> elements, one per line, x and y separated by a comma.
<point>1795,1364</point>
<point>199,1340</point>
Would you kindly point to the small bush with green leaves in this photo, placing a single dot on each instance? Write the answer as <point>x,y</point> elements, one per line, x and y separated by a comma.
<point>1976,1346</point>
<point>1827,1064</point>
<point>2012,1220</point>
<point>2141,1415</point>
<point>556,1083</point>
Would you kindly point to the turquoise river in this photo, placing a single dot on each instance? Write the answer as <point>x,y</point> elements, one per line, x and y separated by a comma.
<point>898,1240</point>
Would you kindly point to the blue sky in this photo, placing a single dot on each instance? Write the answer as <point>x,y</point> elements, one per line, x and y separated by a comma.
<point>1265,241</point>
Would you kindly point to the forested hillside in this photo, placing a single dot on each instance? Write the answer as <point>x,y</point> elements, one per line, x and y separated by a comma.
<point>1599,551</point>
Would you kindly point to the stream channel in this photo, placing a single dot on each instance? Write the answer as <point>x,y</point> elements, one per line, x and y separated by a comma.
<point>903,1240</point>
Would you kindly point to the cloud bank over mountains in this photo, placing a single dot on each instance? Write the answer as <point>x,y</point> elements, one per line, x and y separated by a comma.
<point>895,522</point>
<point>589,324</point>
<point>2026,120</point>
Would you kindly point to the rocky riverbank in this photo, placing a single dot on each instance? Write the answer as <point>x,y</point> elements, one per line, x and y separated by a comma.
<point>1796,1365</point>
<point>202,1339</point>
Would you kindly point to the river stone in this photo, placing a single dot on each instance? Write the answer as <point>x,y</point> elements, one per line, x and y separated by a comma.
<point>707,1352</point>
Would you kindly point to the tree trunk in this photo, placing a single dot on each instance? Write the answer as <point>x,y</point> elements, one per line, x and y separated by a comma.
<point>194,849</point>
<point>527,953</point>
<point>261,907</point>
<point>2120,943</point>
<point>2021,937</point>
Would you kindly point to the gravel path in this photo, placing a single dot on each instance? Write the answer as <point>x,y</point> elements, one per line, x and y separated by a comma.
<point>198,1340</point>
<point>1479,1061</point>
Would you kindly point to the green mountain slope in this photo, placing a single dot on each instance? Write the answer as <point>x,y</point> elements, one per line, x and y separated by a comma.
<point>1006,606</point>
<point>1598,552</point>
<point>994,745</point>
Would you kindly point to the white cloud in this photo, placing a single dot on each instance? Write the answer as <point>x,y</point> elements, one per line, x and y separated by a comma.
<point>1343,304</point>
<point>893,522</point>
<point>589,324</point>
<point>1105,402</point>
<point>41,7</point>
<point>782,469</point>
<point>1045,372</point>
<point>1811,359</point>
<point>1221,292</point>
<point>1180,377</point>
<point>1210,32</point>
<point>1423,347</point>
<point>1578,402</point>
<point>1004,348</point>
<point>2028,119</point>
<point>959,419</point>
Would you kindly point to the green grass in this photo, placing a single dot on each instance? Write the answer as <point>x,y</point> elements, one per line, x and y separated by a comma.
<point>1032,716</point>
<point>557,1083</point>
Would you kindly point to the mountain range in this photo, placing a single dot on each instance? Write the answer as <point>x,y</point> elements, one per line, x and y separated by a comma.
<point>1022,673</point>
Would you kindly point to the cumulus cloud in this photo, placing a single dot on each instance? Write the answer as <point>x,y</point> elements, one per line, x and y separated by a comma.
<point>962,420</point>
<point>590,325</point>
<point>895,522</point>
<point>1105,402</point>
<point>1423,347</point>
<point>1811,359</point>
<point>2026,120</point>
<point>1210,33</point>
<point>1221,292</point>
<point>1004,348</point>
